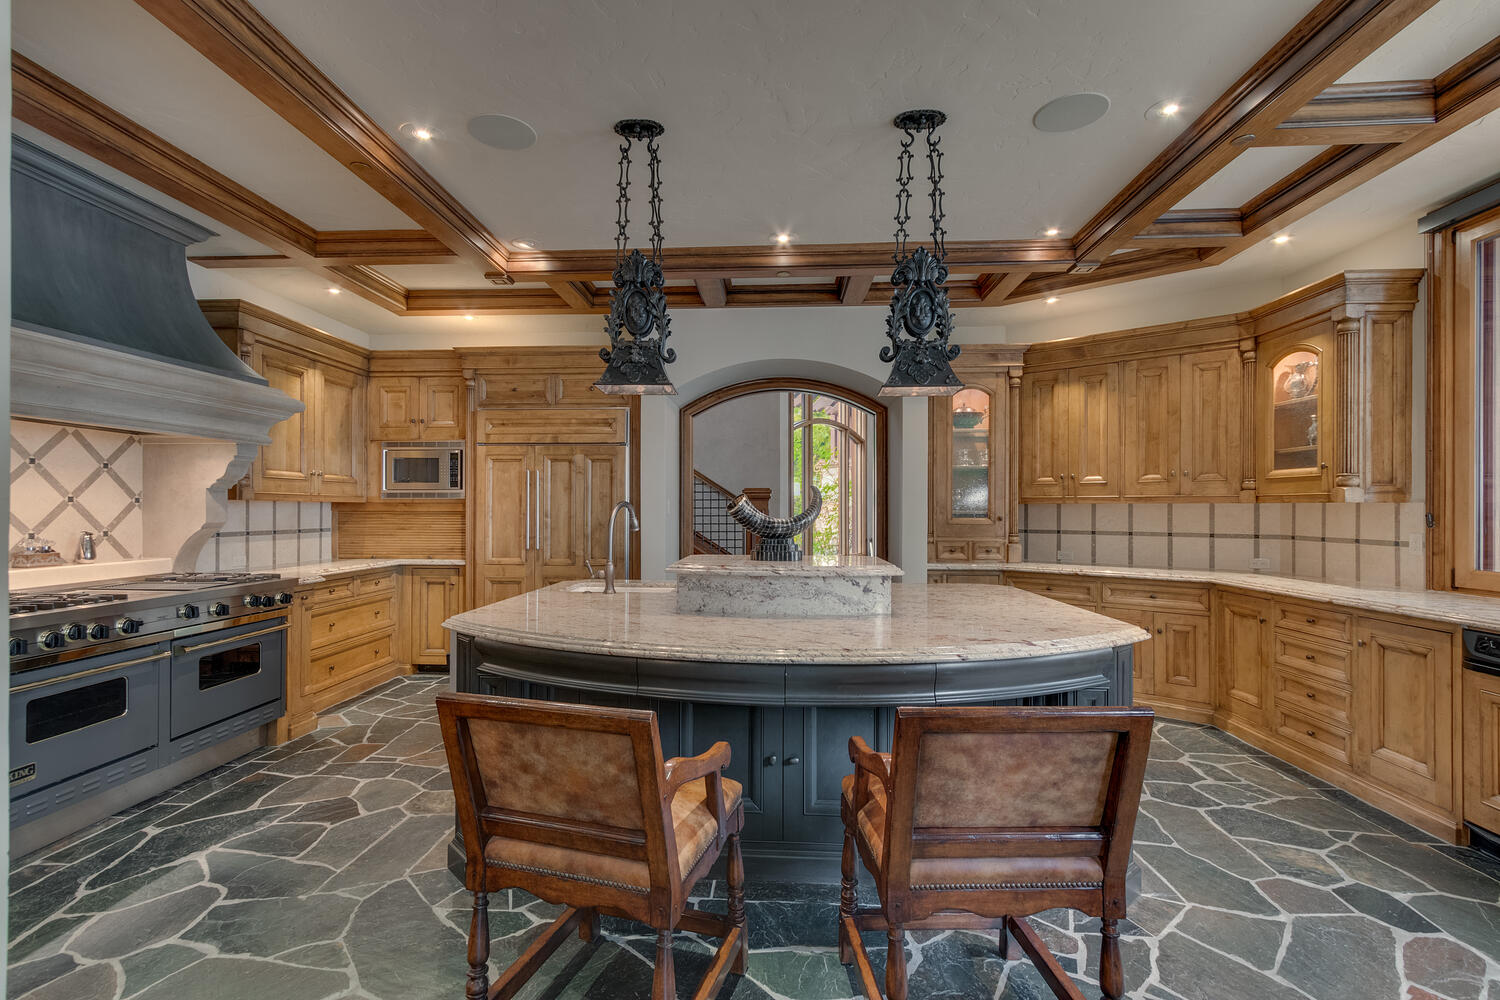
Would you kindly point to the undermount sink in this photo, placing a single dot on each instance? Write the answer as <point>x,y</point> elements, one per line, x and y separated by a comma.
<point>622,586</point>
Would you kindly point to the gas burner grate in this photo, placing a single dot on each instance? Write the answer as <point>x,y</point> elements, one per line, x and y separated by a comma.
<point>209,578</point>
<point>25,604</point>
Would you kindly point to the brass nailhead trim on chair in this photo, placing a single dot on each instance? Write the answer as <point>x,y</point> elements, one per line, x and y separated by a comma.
<point>991,886</point>
<point>570,877</point>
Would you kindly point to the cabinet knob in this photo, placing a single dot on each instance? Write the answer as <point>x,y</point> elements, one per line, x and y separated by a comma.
<point>1262,621</point>
<point>772,760</point>
<point>1311,733</point>
<point>1160,631</point>
<point>1312,621</point>
<point>413,419</point>
<point>1323,465</point>
<point>1074,475</point>
<point>1311,695</point>
<point>1172,473</point>
<point>1186,472</point>
<point>793,761</point>
<point>1308,657</point>
<point>1361,642</point>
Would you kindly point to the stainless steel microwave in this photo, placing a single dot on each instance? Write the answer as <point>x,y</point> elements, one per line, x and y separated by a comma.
<point>422,471</point>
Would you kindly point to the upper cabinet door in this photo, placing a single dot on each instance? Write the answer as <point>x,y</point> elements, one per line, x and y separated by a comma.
<point>968,445</point>
<point>1043,433</point>
<point>1292,425</point>
<point>443,413</point>
<point>1211,459</point>
<point>340,435</point>
<point>286,464</point>
<point>1094,472</point>
<point>1152,406</point>
<point>394,404</point>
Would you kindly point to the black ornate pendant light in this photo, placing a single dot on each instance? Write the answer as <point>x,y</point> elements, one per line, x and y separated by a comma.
<point>638,324</point>
<point>919,323</point>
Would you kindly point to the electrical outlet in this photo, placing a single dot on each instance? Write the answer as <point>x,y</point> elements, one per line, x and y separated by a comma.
<point>1064,556</point>
<point>1261,563</point>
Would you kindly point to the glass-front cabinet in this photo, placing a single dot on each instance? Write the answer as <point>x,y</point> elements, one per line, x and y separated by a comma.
<point>967,481</point>
<point>1294,434</point>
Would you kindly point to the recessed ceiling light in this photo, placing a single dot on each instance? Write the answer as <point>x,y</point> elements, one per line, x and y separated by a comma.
<point>334,291</point>
<point>783,274</point>
<point>502,132</point>
<point>524,244</point>
<point>421,133</point>
<point>1072,112</point>
<point>1051,299</point>
<point>1163,110</point>
<point>468,317</point>
<point>783,238</point>
<point>1051,231</point>
<point>1283,238</point>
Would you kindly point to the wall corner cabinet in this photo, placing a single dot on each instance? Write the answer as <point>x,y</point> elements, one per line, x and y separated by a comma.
<point>1305,398</point>
<point>320,453</point>
<point>972,454</point>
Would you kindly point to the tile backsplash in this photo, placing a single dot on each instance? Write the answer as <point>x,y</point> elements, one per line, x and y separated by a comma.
<point>263,534</point>
<point>68,480</point>
<point>1375,544</point>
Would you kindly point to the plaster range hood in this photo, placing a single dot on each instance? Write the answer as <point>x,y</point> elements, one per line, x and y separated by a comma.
<point>105,332</point>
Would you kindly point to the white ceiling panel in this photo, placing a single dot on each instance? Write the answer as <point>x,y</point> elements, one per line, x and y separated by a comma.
<point>1440,37</point>
<point>1248,175</point>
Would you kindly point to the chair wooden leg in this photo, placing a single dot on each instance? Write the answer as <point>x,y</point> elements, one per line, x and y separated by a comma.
<point>1111,969</point>
<point>478,985</point>
<point>736,874</point>
<point>664,985</point>
<point>588,926</point>
<point>895,964</point>
<point>848,899</point>
<point>1010,948</point>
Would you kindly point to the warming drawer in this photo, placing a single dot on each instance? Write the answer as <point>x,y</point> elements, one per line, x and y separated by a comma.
<point>222,674</point>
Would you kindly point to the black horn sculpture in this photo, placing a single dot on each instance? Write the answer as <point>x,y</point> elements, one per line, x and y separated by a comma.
<point>776,533</point>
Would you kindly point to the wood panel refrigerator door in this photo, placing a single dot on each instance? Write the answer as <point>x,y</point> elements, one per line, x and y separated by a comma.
<point>579,486</point>
<point>341,440</point>
<point>1152,408</point>
<point>1043,434</point>
<point>1481,783</point>
<point>1142,667</point>
<point>443,410</point>
<point>285,465</point>
<point>1244,652</point>
<point>1094,402</point>
<point>815,760</point>
<point>1184,673</point>
<point>1211,462</point>
<point>1403,708</point>
<point>393,409</point>
<point>505,518</point>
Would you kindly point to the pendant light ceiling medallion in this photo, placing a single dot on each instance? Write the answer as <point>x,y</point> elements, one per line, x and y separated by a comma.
<point>919,323</point>
<point>638,324</point>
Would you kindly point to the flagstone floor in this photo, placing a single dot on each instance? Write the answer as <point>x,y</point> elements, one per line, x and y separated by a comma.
<point>317,870</point>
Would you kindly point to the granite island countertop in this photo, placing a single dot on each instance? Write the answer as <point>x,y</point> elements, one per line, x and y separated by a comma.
<point>951,623</point>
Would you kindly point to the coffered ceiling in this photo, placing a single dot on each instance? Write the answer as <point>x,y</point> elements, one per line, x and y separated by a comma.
<point>281,122</point>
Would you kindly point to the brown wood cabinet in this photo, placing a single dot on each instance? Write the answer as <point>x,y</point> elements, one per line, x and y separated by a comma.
<point>1070,434</point>
<point>432,596</point>
<point>1481,749</point>
<point>418,408</point>
<point>320,453</point>
<point>1242,646</point>
<point>342,641</point>
<point>1403,708</point>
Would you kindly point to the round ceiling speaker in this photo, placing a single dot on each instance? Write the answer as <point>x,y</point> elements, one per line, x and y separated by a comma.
<point>1072,112</point>
<point>502,132</point>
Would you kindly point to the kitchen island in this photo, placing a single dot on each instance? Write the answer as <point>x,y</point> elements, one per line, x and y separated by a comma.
<point>788,693</point>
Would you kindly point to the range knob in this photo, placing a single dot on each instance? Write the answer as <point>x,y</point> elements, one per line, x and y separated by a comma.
<point>129,626</point>
<point>18,646</point>
<point>74,631</point>
<point>51,639</point>
<point>188,611</point>
<point>252,600</point>
<point>98,630</point>
<point>283,598</point>
<point>218,609</point>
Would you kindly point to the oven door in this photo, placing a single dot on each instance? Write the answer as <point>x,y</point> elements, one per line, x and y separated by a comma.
<point>73,718</point>
<point>218,675</point>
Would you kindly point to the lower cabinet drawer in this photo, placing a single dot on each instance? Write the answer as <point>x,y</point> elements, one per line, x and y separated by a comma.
<point>952,551</point>
<point>1298,692</point>
<point>337,624</point>
<point>1157,597</point>
<point>351,661</point>
<point>1315,659</point>
<point>1315,621</point>
<point>988,552</point>
<point>1084,593</point>
<point>1319,736</point>
<point>333,590</point>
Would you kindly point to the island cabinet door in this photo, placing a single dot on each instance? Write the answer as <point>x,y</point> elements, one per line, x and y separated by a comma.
<point>815,760</point>
<point>754,735</point>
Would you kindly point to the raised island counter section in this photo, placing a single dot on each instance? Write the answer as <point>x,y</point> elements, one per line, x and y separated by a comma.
<point>788,693</point>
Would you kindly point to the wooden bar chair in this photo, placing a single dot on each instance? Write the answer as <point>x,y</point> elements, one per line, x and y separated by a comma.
<point>980,817</point>
<point>575,805</point>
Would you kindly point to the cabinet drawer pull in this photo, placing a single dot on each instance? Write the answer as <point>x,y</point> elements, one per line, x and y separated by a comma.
<point>793,761</point>
<point>1311,695</point>
<point>1160,631</point>
<point>1309,656</point>
<point>1312,621</point>
<point>772,760</point>
<point>1262,621</point>
<point>1311,733</point>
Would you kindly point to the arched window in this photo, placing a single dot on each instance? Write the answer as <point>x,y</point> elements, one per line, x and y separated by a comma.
<point>829,448</point>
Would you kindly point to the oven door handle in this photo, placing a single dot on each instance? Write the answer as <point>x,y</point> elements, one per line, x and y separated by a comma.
<point>88,673</point>
<point>185,650</point>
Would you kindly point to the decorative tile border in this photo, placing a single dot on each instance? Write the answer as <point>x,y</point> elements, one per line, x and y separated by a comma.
<point>68,480</point>
<point>1376,544</point>
<point>262,534</point>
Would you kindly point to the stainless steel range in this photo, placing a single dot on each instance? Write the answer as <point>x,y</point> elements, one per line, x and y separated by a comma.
<point>123,688</point>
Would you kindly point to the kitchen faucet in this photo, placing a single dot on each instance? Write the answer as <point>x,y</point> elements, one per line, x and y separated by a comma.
<point>608,572</point>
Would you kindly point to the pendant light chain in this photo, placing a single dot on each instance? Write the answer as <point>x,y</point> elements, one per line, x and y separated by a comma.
<point>935,175</point>
<point>655,201</point>
<point>622,204</point>
<point>903,195</point>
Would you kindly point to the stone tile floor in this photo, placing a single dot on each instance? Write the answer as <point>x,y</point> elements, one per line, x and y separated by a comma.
<point>317,870</point>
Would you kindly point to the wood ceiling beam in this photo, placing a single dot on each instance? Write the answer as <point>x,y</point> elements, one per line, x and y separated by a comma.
<point>234,36</point>
<point>854,289</point>
<point>1189,228</point>
<point>713,292</point>
<point>1324,45</point>
<point>994,289</point>
<point>577,294</point>
<point>1119,268</point>
<point>381,246</point>
<point>1350,113</point>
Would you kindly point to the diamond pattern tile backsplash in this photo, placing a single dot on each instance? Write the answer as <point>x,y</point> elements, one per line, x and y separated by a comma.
<point>68,480</point>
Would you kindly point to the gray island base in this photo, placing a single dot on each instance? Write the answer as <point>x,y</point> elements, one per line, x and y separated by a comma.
<point>787,694</point>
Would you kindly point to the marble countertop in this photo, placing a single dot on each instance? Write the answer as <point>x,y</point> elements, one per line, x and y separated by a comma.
<point>317,572</point>
<point>926,625</point>
<point>1432,605</point>
<point>729,565</point>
